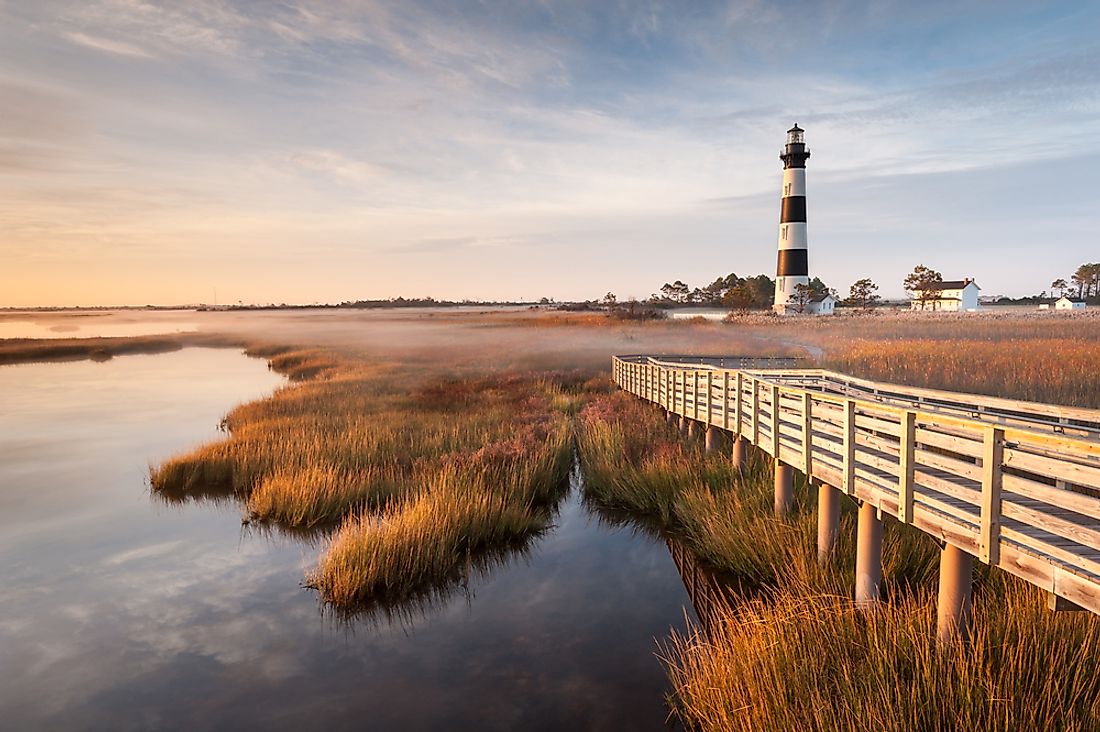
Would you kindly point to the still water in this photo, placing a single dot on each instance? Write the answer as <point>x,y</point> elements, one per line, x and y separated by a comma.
<point>119,612</point>
<point>89,325</point>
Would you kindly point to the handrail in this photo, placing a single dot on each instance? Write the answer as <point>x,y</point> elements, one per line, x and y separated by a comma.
<point>997,478</point>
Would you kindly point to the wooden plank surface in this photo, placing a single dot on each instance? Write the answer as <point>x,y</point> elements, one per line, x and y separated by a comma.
<point>1013,483</point>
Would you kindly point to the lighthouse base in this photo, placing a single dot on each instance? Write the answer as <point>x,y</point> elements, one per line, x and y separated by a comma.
<point>823,307</point>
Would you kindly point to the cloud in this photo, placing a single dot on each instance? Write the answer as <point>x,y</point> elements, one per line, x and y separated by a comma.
<point>334,165</point>
<point>107,45</point>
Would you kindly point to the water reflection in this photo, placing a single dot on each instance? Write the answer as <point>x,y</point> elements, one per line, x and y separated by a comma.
<point>49,326</point>
<point>708,593</point>
<point>121,612</point>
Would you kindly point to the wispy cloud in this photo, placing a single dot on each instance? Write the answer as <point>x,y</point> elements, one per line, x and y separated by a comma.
<point>403,132</point>
<point>104,44</point>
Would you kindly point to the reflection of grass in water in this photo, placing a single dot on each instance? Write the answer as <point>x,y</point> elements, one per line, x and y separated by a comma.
<point>30,350</point>
<point>792,652</point>
<point>419,470</point>
<point>426,538</point>
<point>417,603</point>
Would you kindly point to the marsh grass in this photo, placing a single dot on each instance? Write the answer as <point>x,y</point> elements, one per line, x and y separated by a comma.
<point>787,649</point>
<point>1043,369</point>
<point>414,471</point>
<point>32,350</point>
<point>633,461</point>
<point>427,540</point>
<point>795,660</point>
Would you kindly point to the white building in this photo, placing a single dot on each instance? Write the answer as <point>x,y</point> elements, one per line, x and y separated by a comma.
<point>1064,303</point>
<point>948,296</point>
<point>821,304</point>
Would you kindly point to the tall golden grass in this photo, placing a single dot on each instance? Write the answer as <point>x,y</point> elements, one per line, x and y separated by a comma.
<point>792,652</point>
<point>633,461</point>
<point>798,661</point>
<point>421,468</point>
<point>1056,370</point>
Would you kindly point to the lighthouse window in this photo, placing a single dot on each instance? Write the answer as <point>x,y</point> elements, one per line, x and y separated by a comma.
<point>787,190</point>
<point>784,233</point>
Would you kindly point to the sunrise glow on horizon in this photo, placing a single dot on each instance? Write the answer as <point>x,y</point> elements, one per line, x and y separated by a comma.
<point>157,152</point>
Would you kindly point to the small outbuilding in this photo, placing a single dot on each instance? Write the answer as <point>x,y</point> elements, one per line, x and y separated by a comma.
<point>1064,303</point>
<point>948,296</point>
<point>821,304</point>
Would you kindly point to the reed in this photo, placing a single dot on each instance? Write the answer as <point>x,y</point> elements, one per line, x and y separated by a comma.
<point>787,649</point>
<point>633,461</point>
<point>1055,370</point>
<point>426,541</point>
<point>31,350</point>
<point>419,469</point>
<point>795,660</point>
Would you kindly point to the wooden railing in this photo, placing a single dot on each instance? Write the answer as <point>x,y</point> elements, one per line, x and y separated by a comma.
<point>1014,484</point>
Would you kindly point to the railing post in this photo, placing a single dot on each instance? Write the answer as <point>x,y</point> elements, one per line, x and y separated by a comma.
<point>695,394</point>
<point>849,486</point>
<point>868,556</point>
<point>992,477</point>
<point>725,400</point>
<point>906,465</point>
<point>828,521</point>
<point>775,420</point>
<point>807,435</point>
<point>739,406</point>
<point>710,396</point>
<point>755,412</point>
<point>953,602</point>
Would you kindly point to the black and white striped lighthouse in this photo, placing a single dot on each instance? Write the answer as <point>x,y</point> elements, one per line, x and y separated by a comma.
<point>793,268</point>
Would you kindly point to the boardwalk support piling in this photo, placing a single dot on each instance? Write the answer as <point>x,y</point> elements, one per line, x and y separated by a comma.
<point>956,581</point>
<point>670,416</point>
<point>740,453</point>
<point>868,556</point>
<point>693,429</point>
<point>714,438</point>
<point>784,489</point>
<point>683,425</point>
<point>828,521</point>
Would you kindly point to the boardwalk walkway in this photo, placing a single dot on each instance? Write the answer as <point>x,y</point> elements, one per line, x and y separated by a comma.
<point>1013,484</point>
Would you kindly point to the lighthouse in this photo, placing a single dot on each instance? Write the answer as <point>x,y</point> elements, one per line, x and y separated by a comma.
<point>793,268</point>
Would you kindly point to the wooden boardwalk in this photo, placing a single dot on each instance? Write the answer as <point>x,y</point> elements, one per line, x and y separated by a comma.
<point>1013,484</point>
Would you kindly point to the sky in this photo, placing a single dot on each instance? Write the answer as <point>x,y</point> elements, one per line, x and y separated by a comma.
<point>170,152</point>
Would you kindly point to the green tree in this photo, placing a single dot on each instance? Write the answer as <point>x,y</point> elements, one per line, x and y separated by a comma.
<point>862,294</point>
<point>819,287</point>
<point>919,284</point>
<point>801,297</point>
<point>676,292</point>
<point>1060,285</point>
<point>740,297</point>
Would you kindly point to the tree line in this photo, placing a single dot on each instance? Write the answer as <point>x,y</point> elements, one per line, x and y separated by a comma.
<point>1086,280</point>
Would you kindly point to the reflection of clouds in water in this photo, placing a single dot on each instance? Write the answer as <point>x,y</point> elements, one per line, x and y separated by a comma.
<point>182,618</point>
<point>141,622</point>
<point>149,551</point>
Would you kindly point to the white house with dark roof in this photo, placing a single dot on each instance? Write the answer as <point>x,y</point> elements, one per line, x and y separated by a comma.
<point>948,296</point>
<point>821,304</point>
<point>1064,303</point>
